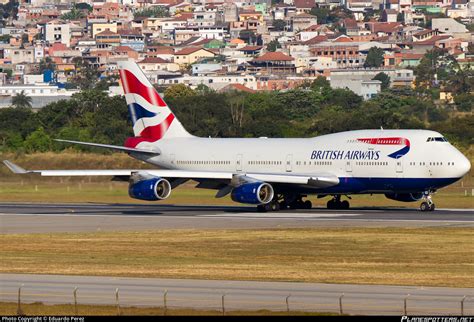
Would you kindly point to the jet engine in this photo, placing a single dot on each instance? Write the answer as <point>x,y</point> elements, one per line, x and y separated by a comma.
<point>256,193</point>
<point>405,197</point>
<point>150,189</point>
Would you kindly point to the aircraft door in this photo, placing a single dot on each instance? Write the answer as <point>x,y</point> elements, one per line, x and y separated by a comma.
<point>348,166</point>
<point>289,160</point>
<point>173,160</point>
<point>238,163</point>
<point>399,167</point>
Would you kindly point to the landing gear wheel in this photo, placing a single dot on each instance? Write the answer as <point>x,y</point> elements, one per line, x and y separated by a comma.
<point>308,204</point>
<point>336,203</point>
<point>331,204</point>
<point>273,206</point>
<point>283,205</point>
<point>425,206</point>
<point>345,204</point>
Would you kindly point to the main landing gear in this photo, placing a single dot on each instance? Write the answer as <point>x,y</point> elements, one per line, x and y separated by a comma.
<point>336,203</point>
<point>282,202</point>
<point>427,204</point>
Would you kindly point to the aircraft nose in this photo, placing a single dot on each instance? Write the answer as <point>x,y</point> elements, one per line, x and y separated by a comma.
<point>463,165</point>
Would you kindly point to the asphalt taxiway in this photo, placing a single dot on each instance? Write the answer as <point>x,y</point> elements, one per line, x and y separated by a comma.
<point>46,218</point>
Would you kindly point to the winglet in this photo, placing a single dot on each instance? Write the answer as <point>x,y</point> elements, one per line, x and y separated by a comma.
<point>14,168</point>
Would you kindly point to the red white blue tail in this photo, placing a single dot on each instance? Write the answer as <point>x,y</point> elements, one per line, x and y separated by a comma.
<point>152,119</point>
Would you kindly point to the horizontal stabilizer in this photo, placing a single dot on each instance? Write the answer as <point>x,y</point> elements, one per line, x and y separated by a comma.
<point>14,168</point>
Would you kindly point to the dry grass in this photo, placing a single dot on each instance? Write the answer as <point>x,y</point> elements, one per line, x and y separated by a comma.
<point>39,309</point>
<point>396,256</point>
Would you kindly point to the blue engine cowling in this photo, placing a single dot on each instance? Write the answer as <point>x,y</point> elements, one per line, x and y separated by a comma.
<point>150,189</point>
<point>255,193</point>
<point>405,197</point>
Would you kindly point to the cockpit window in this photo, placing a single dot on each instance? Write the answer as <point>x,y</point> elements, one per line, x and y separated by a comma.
<point>437,139</point>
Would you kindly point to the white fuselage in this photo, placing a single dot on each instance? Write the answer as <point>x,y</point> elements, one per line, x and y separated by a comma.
<point>364,160</point>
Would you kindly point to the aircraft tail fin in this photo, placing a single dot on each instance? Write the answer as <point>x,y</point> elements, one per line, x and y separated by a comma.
<point>152,118</point>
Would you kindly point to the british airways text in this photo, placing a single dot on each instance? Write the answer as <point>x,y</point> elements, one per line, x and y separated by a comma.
<point>344,155</point>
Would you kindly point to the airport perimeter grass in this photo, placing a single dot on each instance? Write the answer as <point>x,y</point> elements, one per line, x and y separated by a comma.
<point>39,309</point>
<point>395,256</point>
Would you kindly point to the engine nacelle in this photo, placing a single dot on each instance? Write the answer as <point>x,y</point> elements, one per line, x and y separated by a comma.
<point>255,193</point>
<point>150,189</point>
<point>405,197</point>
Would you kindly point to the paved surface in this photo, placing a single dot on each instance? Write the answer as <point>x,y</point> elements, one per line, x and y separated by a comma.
<point>41,218</point>
<point>357,299</point>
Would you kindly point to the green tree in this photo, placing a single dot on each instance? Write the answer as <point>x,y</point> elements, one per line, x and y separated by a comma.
<point>5,38</point>
<point>342,97</point>
<point>279,24</point>
<point>86,75</point>
<point>46,63</point>
<point>38,141</point>
<point>436,65</point>
<point>371,14</point>
<point>20,120</point>
<point>21,100</point>
<point>202,89</point>
<point>179,90</point>
<point>322,14</point>
<point>374,57</point>
<point>460,80</point>
<point>273,45</point>
<point>74,14</point>
<point>248,36</point>
<point>400,17</point>
<point>83,6</point>
<point>12,141</point>
<point>337,14</point>
<point>320,84</point>
<point>152,12</point>
<point>384,78</point>
<point>24,39</point>
<point>464,102</point>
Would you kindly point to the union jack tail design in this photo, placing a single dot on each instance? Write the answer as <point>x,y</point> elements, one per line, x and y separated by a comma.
<point>390,141</point>
<point>152,119</point>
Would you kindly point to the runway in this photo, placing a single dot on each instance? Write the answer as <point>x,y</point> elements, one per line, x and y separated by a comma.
<point>238,295</point>
<point>47,218</point>
<point>207,294</point>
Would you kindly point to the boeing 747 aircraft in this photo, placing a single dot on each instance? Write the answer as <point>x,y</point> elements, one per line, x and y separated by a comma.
<point>274,174</point>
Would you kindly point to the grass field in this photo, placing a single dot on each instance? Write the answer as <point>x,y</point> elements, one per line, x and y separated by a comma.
<point>39,309</point>
<point>395,256</point>
<point>31,188</point>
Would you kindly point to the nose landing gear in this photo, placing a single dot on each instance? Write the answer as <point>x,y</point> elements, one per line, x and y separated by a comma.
<point>427,204</point>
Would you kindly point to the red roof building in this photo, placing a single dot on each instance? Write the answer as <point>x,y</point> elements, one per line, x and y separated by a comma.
<point>273,63</point>
<point>236,87</point>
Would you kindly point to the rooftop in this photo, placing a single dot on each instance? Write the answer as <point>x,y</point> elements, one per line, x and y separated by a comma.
<point>153,60</point>
<point>274,56</point>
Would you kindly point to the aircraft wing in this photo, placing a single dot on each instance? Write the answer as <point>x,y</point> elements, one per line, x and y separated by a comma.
<point>322,180</point>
